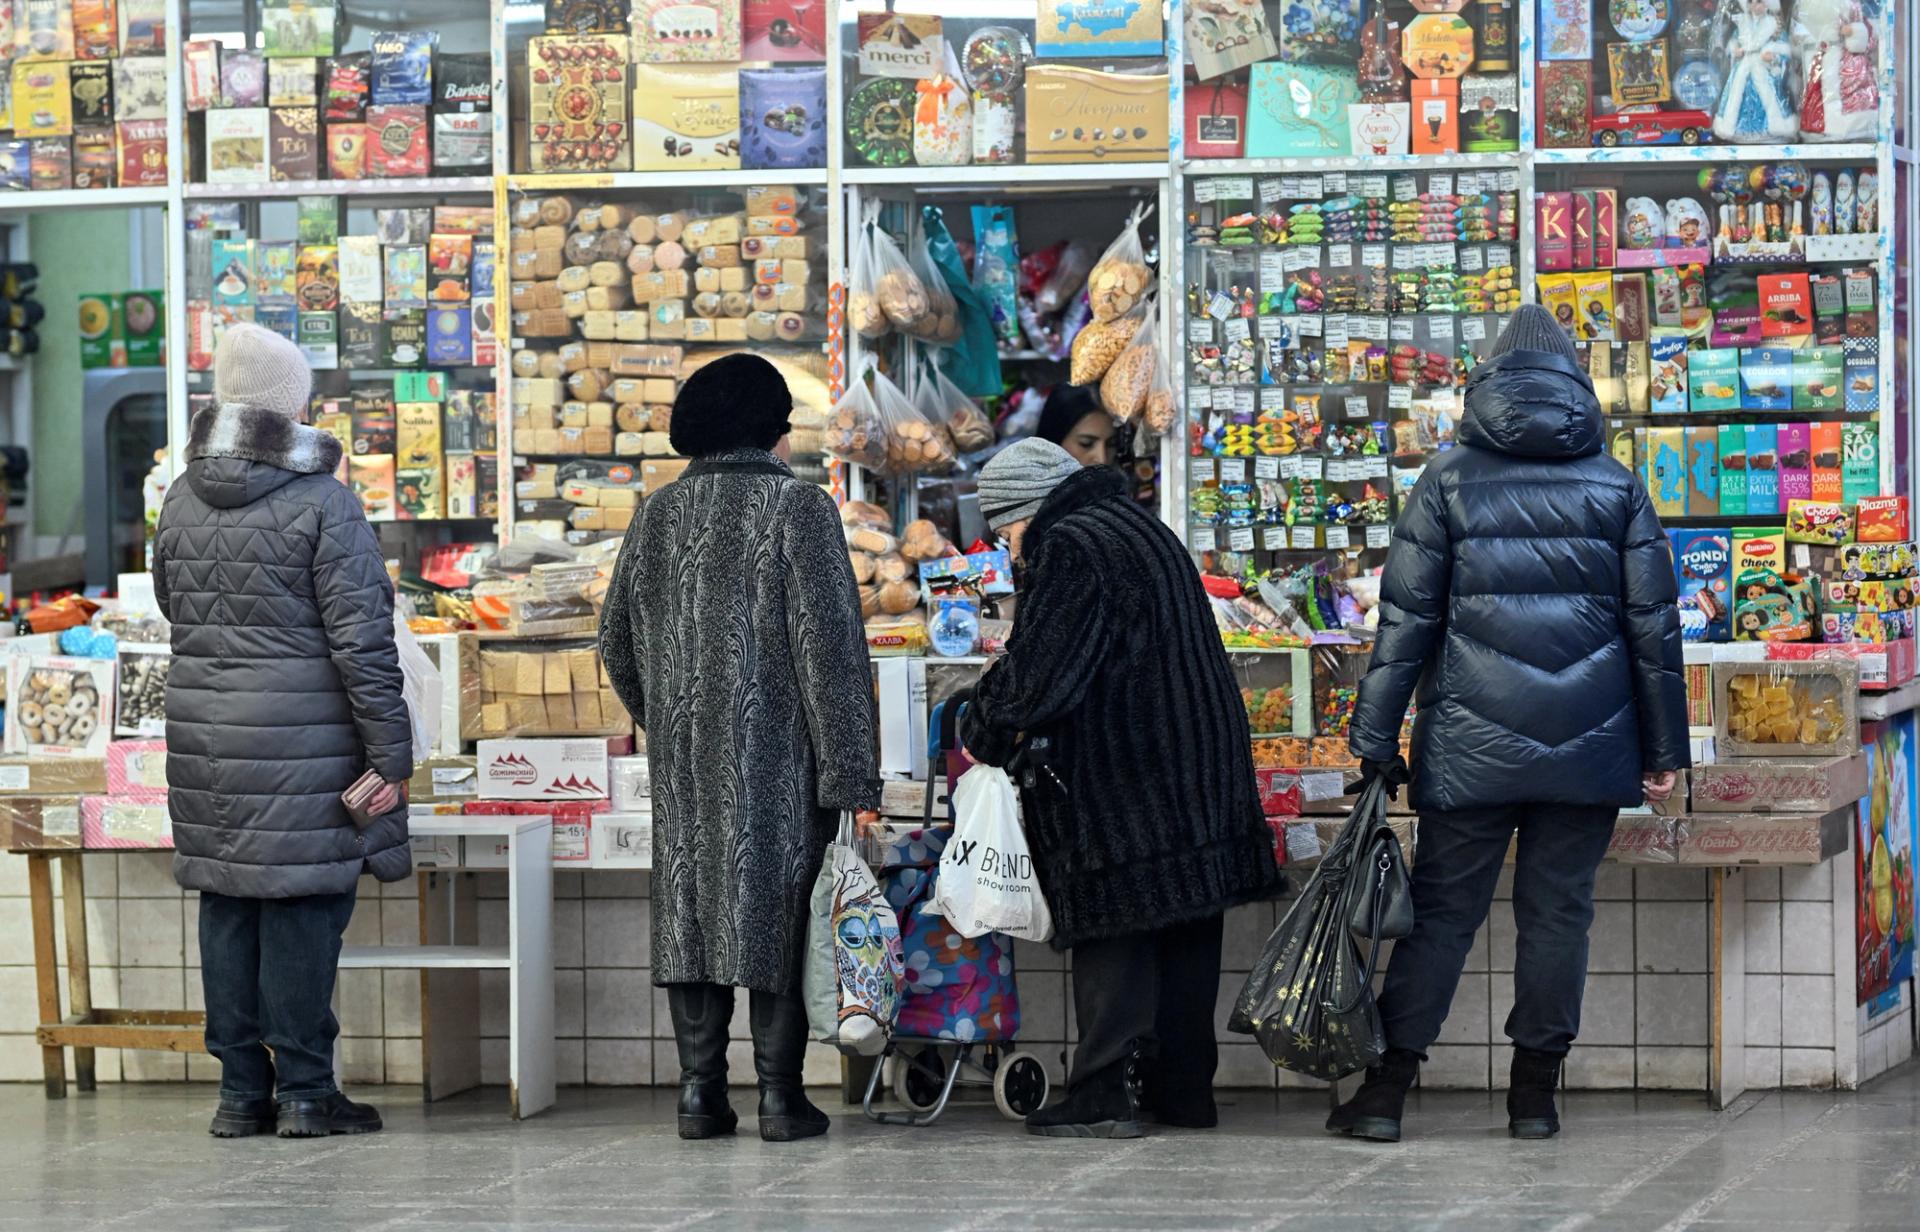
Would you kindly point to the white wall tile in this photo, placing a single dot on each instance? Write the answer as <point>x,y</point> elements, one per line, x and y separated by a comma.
<point>103,931</point>
<point>20,1000</point>
<point>1244,1067</point>
<point>1669,883</point>
<point>1763,1068</point>
<point>617,932</point>
<point>1763,936</point>
<point>1610,940</point>
<point>144,1065</point>
<point>154,988</point>
<point>569,937</point>
<point>619,1004</point>
<point>1466,1021</point>
<point>495,1018</point>
<point>615,883</point>
<point>1613,881</point>
<point>493,1062</point>
<point>1806,938</point>
<point>357,1004</point>
<point>1463,1067</point>
<point>1900,1043</point>
<point>364,927</point>
<point>1606,1012</point>
<point>619,1062</point>
<point>1762,883</point>
<point>1806,1011</point>
<point>145,874</point>
<point>569,1004</point>
<point>16,932</point>
<point>363,1062</point>
<point>1806,1067</point>
<point>1670,937</point>
<point>400,1003</point>
<point>1671,1069</point>
<point>152,932</point>
<point>406,887</point>
<point>820,1069</point>
<point>399,920</point>
<point>569,1062</point>
<point>1671,1009</point>
<point>1763,1012</point>
<point>13,874</point>
<point>403,1060</point>
<point>1596,1068</point>
<point>1873,1053</point>
<point>1807,882</point>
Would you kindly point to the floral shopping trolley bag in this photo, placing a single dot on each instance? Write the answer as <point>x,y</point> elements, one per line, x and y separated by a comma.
<point>957,988</point>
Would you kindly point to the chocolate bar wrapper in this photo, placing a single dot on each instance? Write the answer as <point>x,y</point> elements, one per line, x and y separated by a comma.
<point>397,141</point>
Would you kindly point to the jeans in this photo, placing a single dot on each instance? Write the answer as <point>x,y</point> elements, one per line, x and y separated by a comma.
<point>267,968</point>
<point>1156,989</point>
<point>1455,867</point>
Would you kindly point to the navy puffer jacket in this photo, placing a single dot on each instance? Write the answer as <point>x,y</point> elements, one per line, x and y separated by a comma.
<point>1528,608</point>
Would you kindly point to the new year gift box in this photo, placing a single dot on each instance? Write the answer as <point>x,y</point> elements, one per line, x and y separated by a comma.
<point>1098,28</point>
<point>686,117</point>
<point>783,117</point>
<point>1300,109</point>
<point>1490,113</point>
<point>1216,116</point>
<point>577,103</point>
<point>1080,115</point>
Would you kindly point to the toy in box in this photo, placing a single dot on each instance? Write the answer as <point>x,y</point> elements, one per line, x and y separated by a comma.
<point>1860,561</point>
<point>1772,606</point>
<point>58,706</point>
<point>1787,709</point>
<point>1881,519</point>
<point>1713,380</point>
<point>1703,568</point>
<point>1823,522</point>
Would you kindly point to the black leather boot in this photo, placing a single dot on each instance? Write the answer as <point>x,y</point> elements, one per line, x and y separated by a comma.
<point>1174,1097</point>
<point>701,1016</point>
<point>243,1118</point>
<point>1375,1110</point>
<point>318,1118</point>
<point>779,1057</point>
<point>1530,1084</point>
<point>1105,1104</point>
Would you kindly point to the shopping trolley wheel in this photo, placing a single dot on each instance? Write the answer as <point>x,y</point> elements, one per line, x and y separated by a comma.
<point>919,1078</point>
<point>1020,1085</point>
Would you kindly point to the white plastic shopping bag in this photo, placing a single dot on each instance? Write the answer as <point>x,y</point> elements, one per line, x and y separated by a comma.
<point>422,688</point>
<point>986,882</point>
<point>854,971</point>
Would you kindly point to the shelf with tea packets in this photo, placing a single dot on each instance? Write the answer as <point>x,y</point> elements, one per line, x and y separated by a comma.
<point>85,100</point>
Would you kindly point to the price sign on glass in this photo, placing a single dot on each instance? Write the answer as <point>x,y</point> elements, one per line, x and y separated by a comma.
<point>1240,539</point>
<point>1233,470</point>
<point>1379,534</point>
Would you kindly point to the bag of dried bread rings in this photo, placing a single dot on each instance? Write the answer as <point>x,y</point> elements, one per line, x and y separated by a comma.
<point>967,424</point>
<point>913,445</point>
<point>855,432</point>
<point>863,303</point>
<point>898,290</point>
<point>1127,381</point>
<point>1120,281</point>
<point>942,324</point>
<point>1097,345</point>
<point>1160,411</point>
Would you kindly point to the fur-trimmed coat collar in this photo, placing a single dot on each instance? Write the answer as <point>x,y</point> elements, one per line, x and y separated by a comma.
<point>254,435</point>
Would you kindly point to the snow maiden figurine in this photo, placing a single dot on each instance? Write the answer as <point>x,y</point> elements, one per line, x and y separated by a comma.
<point>1838,62</point>
<point>1754,106</point>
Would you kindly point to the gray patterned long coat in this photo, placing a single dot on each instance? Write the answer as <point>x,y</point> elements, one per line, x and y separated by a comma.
<point>732,632</point>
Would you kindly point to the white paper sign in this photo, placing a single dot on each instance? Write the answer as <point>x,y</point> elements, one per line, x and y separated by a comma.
<point>1379,534</point>
<point>1240,539</point>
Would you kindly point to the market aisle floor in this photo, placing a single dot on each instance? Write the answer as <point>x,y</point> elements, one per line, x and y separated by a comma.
<point>139,1157</point>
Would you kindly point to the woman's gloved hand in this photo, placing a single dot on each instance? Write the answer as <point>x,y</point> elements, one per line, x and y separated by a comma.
<point>1395,773</point>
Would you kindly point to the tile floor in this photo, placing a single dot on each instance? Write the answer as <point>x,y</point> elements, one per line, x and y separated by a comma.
<point>136,1156</point>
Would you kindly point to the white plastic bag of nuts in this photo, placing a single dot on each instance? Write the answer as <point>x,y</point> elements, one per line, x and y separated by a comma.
<point>901,295</point>
<point>1097,345</point>
<point>863,297</point>
<point>1128,380</point>
<point>967,424</point>
<point>1120,280</point>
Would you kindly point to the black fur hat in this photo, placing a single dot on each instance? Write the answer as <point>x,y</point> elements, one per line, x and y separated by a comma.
<point>738,401</point>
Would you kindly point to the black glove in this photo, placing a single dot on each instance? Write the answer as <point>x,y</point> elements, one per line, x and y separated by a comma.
<point>1395,773</point>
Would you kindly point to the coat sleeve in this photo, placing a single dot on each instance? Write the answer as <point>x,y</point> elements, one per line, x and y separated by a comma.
<point>355,597</point>
<point>1064,632</point>
<point>1650,600</point>
<point>827,641</point>
<point>162,598</point>
<point>1413,617</point>
<point>621,629</point>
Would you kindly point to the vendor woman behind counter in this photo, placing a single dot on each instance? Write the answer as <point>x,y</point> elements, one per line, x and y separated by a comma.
<point>1074,420</point>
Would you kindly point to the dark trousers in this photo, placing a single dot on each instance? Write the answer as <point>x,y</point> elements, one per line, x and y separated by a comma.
<point>1455,867</point>
<point>267,968</point>
<point>1157,990</point>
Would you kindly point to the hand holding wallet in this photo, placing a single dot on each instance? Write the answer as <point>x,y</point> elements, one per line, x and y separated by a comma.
<point>372,797</point>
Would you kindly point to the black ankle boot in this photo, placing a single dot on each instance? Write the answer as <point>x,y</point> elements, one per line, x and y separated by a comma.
<point>320,1118</point>
<point>1105,1104</point>
<point>1375,1110</point>
<point>779,1058</point>
<point>701,1015</point>
<point>1530,1084</point>
<point>243,1118</point>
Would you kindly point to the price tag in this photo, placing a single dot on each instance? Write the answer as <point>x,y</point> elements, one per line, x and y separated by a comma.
<point>1399,397</point>
<point>1308,325</point>
<point>1203,192</point>
<point>1312,466</point>
<point>1379,534</point>
<point>1440,327</point>
<point>1304,257</point>
<point>1270,327</point>
<point>1407,256</point>
<point>1270,190</point>
<point>1440,184</point>
<point>1405,188</point>
<point>1303,837</point>
<point>1220,306</point>
<point>1334,329</point>
<point>1235,188</point>
<point>1199,396</point>
<point>1243,403</point>
<point>1201,539</point>
<point>1472,260</point>
<point>1274,538</point>
<point>1446,255</point>
<point>1334,183</point>
<point>1313,186</point>
<point>1373,256</point>
<point>1374,468</point>
<point>1236,330</point>
<point>1233,470</point>
<point>1304,537</point>
<point>1266,468</point>
<point>1339,537</point>
<point>1510,180</point>
<point>1372,328</point>
<point>1200,331</point>
<point>1240,539</point>
<point>1473,329</point>
<point>1200,470</point>
<point>1499,255</point>
<point>1400,329</point>
<point>1337,470</point>
<point>1467,183</point>
<point>1374,185</point>
<point>1358,406</point>
<point>1273,268</point>
<point>1340,256</point>
<point>1273,399</point>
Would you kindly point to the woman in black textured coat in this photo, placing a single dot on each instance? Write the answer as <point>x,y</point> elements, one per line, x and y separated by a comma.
<point>1528,609</point>
<point>1116,705</point>
<point>732,633</point>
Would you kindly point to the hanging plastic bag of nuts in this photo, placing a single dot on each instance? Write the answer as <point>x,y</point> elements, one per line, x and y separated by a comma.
<point>912,444</point>
<point>1160,412</point>
<point>855,432</point>
<point>1128,380</point>
<point>1097,345</point>
<point>863,300</point>
<point>1120,280</point>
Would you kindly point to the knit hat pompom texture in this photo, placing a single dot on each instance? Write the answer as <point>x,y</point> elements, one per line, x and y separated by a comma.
<point>1018,479</point>
<point>738,401</point>
<point>258,368</point>
<point>1532,328</point>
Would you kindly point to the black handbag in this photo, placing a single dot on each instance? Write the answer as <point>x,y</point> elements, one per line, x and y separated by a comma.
<point>1383,892</point>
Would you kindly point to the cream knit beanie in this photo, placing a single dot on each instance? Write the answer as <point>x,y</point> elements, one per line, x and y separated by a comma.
<point>256,367</point>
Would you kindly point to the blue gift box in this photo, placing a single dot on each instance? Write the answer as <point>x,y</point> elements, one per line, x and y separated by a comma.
<point>1300,110</point>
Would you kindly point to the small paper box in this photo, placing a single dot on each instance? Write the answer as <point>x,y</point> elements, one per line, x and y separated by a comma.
<point>1079,115</point>
<point>1297,109</point>
<point>402,72</point>
<point>58,706</point>
<point>1786,709</point>
<point>1435,45</point>
<point>1882,519</point>
<point>685,31</point>
<point>781,121</point>
<point>1566,105</point>
<point>1810,785</point>
<point>1216,120</point>
<point>293,151</point>
<point>1765,838</point>
<point>577,103</point>
<point>1378,129</point>
<point>1766,379</point>
<point>136,766</point>
<point>40,823</point>
<point>1436,115</point>
<point>1703,570</point>
<point>1637,73</point>
<point>1819,522</point>
<point>1713,380</point>
<point>1490,113</point>
<point>237,145</point>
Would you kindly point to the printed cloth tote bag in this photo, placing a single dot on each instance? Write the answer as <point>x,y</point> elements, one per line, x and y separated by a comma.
<point>853,973</point>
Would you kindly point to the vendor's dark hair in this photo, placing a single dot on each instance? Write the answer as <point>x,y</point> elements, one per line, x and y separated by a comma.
<point>1066,406</point>
<point>738,401</point>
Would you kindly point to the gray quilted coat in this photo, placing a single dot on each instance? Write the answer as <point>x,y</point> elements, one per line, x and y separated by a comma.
<point>285,685</point>
<point>732,632</point>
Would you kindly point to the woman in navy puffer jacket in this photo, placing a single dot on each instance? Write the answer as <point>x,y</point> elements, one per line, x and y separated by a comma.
<point>1528,608</point>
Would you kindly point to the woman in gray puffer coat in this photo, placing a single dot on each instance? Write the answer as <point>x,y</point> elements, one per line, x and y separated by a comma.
<point>732,632</point>
<point>285,689</point>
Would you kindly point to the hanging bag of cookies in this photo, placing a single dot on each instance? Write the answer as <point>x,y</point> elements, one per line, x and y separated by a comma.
<point>1120,281</point>
<point>1160,412</point>
<point>1127,381</point>
<point>854,432</point>
<point>942,324</point>
<point>967,424</point>
<point>901,294</point>
<point>863,299</point>
<point>913,445</point>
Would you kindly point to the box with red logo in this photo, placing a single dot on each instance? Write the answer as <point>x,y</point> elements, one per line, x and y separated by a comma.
<point>543,769</point>
<point>1645,839</point>
<point>1783,785</point>
<point>1765,838</point>
<point>572,827</point>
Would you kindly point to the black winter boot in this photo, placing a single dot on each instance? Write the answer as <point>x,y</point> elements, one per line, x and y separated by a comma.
<point>1171,1096</point>
<point>779,1057</point>
<point>1530,1084</point>
<point>318,1118</point>
<point>243,1118</point>
<point>1105,1104</point>
<point>1375,1110</point>
<point>701,1015</point>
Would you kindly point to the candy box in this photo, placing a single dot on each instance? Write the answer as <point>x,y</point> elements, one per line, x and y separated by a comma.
<point>783,29</point>
<point>687,117</point>
<point>371,476</point>
<point>1713,380</point>
<point>1553,230</point>
<point>1667,375</point>
<point>577,103</point>
<point>1861,561</point>
<point>57,706</point>
<point>1766,379</point>
<point>1812,785</point>
<point>1379,129</point>
<point>1823,522</point>
<point>1786,709</point>
<point>1292,110</point>
<point>682,31</point>
<point>1489,113</point>
<point>1882,519</point>
<point>1566,30</point>
<point>417,493</point>
<point>1084,115</point>
<point>1758,549</point>
<point>1703,569</point>
<point>782,119</point>
<point>1565,105</point>
<point>1216,120</point>
<point>1094,28</point>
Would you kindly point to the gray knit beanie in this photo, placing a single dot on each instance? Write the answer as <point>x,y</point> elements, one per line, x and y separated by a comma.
<point>256,367</point>
<point>1018,478</point>
<point>1533,328</point>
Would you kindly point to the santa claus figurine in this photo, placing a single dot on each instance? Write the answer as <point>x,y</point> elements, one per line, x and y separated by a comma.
<point>1838,50</point>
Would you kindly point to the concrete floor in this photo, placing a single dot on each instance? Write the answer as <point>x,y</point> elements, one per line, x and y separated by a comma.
<point>139,1158</point>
